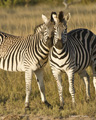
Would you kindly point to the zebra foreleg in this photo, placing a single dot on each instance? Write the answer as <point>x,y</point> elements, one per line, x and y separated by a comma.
<point>83,74</point>
<point>70,74</point>
<point>57,76</point>
<point>39,78</point>
<point>28,81</point>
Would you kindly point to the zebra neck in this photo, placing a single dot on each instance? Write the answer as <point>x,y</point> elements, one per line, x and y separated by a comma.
<point>47,41</point>
<point>41,40</point>
<point>40,45</point>
<point>43,46</point>
<point>39,28</point>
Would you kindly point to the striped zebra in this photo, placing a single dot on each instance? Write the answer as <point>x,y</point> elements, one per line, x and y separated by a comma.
<point>28,54</point>
<point>72,52</point>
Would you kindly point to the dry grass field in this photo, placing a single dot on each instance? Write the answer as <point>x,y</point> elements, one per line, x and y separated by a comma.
<point>22,21</point>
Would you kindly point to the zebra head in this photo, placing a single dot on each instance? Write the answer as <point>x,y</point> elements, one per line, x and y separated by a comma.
<point>39,28</point>
<point>48,29</point>
<point>60,29</point>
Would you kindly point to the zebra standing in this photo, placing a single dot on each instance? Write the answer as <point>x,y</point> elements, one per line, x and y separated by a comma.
<point>72,52</point>
<point>28,54</point>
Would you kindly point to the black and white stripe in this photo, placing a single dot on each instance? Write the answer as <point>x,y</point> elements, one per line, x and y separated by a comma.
<point>28,54</point>
<point>73,52</point>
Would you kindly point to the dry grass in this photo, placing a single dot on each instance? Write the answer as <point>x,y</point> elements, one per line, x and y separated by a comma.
<point>22,21</point>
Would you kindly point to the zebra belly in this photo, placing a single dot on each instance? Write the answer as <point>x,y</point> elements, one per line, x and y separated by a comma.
<point>10,65</point>
<point>79,68</point>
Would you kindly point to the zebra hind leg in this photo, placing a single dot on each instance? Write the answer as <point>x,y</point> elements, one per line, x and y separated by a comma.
<point>39,78</point>
<point>84,75</point>
<point>94,75</point>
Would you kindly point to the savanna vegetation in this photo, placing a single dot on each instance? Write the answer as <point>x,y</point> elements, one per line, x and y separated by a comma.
<point>22,21</point>
<point>12,3</point>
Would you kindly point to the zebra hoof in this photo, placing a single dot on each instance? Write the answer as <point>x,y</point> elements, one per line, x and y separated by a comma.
<point>61,108</point>
<point>87,100</point>
<point>27,107</point>
<point>48,104</point>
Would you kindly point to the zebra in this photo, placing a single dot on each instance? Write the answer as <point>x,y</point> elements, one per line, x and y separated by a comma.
<point>28,54</point>
<point>72,52</point>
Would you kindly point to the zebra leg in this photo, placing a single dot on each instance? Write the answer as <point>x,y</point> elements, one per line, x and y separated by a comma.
<point>86,79</point>
<point>39,78</point>
<point>28,80</point>
<point>57,76</point>
<point>94,83</point>
<point>71,85</point>
<point>94,75</point>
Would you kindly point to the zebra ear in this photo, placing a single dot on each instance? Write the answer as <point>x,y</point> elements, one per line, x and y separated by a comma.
<point>53,13</point>
<point>55,18</point>
<point>67,17</point>
<point>45,19</point>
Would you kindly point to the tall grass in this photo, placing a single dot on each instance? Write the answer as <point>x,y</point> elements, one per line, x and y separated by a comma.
<point>22,21</point>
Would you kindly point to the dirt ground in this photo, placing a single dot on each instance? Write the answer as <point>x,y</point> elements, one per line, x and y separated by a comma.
<point>26,117</point>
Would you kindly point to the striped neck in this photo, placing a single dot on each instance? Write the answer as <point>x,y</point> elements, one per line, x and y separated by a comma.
<point>48,41</point>
<point>43,32</point>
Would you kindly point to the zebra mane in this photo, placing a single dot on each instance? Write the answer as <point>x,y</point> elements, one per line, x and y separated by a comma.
<point>38,28</point>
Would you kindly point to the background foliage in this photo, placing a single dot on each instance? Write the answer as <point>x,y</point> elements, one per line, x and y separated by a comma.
<point>8,3</point>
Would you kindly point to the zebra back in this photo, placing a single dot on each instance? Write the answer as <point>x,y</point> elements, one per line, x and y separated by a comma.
<point>6,41</point>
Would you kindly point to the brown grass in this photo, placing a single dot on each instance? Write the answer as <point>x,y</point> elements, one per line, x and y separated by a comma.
<point>22,21</point>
